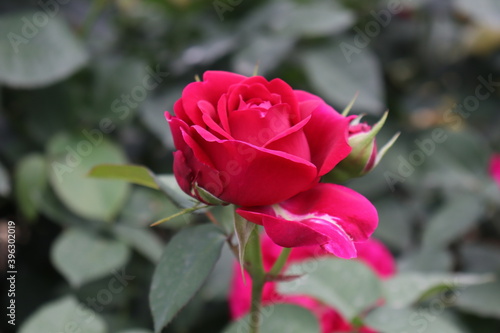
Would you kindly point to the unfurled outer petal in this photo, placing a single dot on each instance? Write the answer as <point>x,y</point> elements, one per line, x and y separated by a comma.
<point>326,132</point>
<point>191,165</point>
<point>329,215</point>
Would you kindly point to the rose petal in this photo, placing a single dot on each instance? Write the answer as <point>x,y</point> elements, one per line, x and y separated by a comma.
<point>303,96</point>
<point>495,168</point>
<point>353,212</point>
<point>307,232</point>
<point>257,126</point>
<point>182,172</point>
<point>330,320</point>
<point>176,124</point>
<point>240,293</point>
<point>214,84</point>
<point>287,94</point>
<point>193,166</point>
<point>254,176</point>
<point>292,141</point>
<point>377,257</point>
<point>329,215</point>
<point>222,112</point>
<point>210,118</point>
<point>326,132</point>
<point>252,91</point>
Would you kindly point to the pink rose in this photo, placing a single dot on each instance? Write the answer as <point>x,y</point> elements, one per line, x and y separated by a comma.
<point>495,168</point>
<point>329,215</point>
<point>372,253</point>
<point>253,142</point>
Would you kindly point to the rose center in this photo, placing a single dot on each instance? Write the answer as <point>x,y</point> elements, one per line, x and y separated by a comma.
<point>263,105</point>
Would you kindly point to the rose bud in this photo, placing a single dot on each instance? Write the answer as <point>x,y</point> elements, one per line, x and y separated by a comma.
<point>364,155</point>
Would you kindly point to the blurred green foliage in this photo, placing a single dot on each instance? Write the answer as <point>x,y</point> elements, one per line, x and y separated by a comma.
<point>87,82</point>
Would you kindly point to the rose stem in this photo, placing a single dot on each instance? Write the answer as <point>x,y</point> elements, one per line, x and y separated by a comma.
<point>256,269</point>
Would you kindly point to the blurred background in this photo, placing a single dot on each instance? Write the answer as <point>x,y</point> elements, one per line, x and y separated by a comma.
<point>87,82</point>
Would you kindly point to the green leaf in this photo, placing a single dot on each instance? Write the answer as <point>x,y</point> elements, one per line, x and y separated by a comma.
<point>117,90</point>
<point>407,288</point>
<point>145,241</point>
<point>53,106</point>
<point>171,188</point>
<point>30,183</point>
<point>216,287</point>
<point>462,155</point>
<point>64,315</point>
<point>82,257</point>
<point>283,318</point>
<point>348,286</point>
<point>265,51</point>
<point>137,330</point>
<point>426,260</point>
<point>299,19</point>
<point>135,174</point>
<point>453,220</point>
<point>389,320</point>
<point>40,54</point>
<point>70,159</point>
<point>52,208</point>
<point>480,258</point>
<point>4,182</point>
<point>394,223</point>
<point>482,300</point>
<point>337,78</point>
<point>185,264</point>
<point>316,19</point>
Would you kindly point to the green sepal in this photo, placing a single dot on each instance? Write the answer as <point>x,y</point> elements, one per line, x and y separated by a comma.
<point>349,106</point>
<point>243,229</point>
<point>209,197</point>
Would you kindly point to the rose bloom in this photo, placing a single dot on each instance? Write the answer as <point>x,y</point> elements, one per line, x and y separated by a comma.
<point>372,252</point>
<point>253,142</point>
<point>263,146</point>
